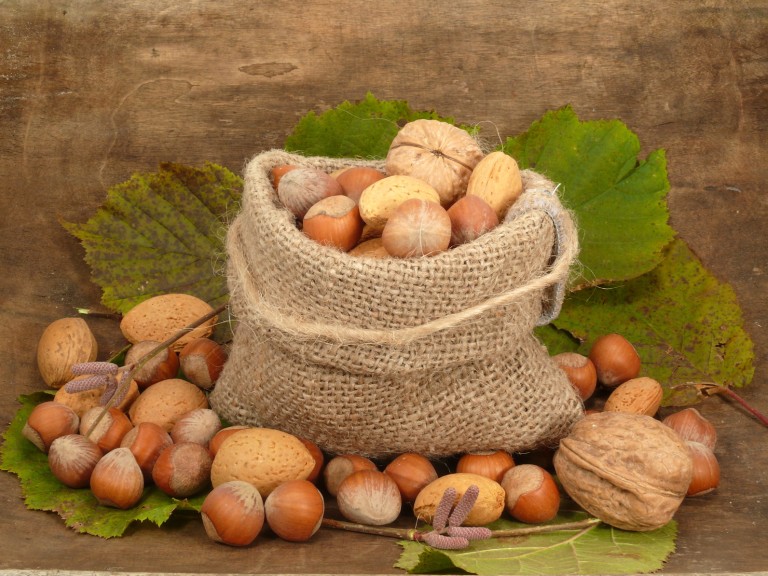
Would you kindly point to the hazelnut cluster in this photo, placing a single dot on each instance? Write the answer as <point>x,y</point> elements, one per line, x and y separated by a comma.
<point>437,190</point>
<point>161,431</point>
<point>613,366</point>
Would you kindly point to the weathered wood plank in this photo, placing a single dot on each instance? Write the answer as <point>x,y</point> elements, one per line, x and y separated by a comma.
<point>90,94</point>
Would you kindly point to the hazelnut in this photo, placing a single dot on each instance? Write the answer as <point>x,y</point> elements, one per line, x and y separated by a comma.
<point>294,510</point>
<point>117,480</point>
<point>471,217</point>
<point>299,189</point>
<point>580,370</point>
<point>317,454</point>
<point>48,421</point>
<point>615,360</point>
<point>182,470</point>
<point>531,494</point>
<point>369,497</point>
<point>198,426</point>
<point>161,366</point>
<point>411,472</point>
<point>233,513</point>
<point>108,433</point>
<point>146,441</point>
<point>691,425</point>
<point>278,172</point>
<point>341,466</point>
<point>706,469</point>
<point>72,459</point>
<point>491,464</point>
<point>202,361</point>
<point>334,221</point>
<point>356,179</point>
<point>417,228</point>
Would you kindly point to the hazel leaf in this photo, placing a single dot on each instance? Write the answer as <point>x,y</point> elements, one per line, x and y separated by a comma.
<point>363,129</point>
<point>77,507</point>
<point>161,232</point>
<point>686,325</point>
<point>598,549</point>
<point>619,201</point>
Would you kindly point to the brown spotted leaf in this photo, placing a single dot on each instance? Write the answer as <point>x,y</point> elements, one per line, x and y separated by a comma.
<point>161,232</point>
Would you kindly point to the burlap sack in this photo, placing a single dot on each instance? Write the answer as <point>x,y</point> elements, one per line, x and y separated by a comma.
<point>382,356</point>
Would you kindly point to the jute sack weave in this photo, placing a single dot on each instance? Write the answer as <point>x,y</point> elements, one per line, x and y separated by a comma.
<point>432,355</point>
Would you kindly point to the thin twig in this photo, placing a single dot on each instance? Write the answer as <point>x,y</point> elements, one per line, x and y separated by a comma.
<point>97,314</point>
<point>417,536</point>
<point>756,413</point>
<point>544,528</point>
<point>707,389</point>
<point>113,359</point>
<point>389,532</point>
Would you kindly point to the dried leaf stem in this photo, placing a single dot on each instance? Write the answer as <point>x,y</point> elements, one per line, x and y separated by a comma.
<point>707,389</point>
<point>711,388</point>
<point>149,355</point>
<point>418,536</point>
<point>98,314</point>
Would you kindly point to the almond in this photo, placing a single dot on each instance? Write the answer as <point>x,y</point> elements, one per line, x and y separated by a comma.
<point>83,401</point>
<point>64,343</point>
<point>488,506</point>
<point>497,180</point>
<point>160,317</point>
<point>636,396</point>
<point>262,456</point>
<point>381,199</point>
<point>166,402</point>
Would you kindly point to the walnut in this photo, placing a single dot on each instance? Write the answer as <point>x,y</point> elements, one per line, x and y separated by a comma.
<point>629,470</point>
<point>439,153</point>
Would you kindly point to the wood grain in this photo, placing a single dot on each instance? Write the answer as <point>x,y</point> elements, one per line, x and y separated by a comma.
<point>91,92</point>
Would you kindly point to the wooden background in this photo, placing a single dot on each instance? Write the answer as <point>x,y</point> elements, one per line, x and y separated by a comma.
<point>91,92</point>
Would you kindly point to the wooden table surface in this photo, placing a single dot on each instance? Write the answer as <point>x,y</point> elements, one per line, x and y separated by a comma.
<point>92,92</point>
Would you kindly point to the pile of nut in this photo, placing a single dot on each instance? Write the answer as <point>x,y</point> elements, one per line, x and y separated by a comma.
<point>438,190</point>
<point>620,463</point>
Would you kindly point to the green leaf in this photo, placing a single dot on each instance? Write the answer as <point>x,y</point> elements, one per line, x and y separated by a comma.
<point>161,232</point>
<point>78,507</point>
<point>599,549</point>
<point>361,130</point>
<point>685,324</point>
<point>619,202</point>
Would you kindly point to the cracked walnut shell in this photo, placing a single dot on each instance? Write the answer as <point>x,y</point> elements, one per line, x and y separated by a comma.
<point>629,470</point>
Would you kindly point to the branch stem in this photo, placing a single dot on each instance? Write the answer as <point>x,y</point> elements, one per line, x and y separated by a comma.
<point>417,536</point>
<point>756,413</point>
